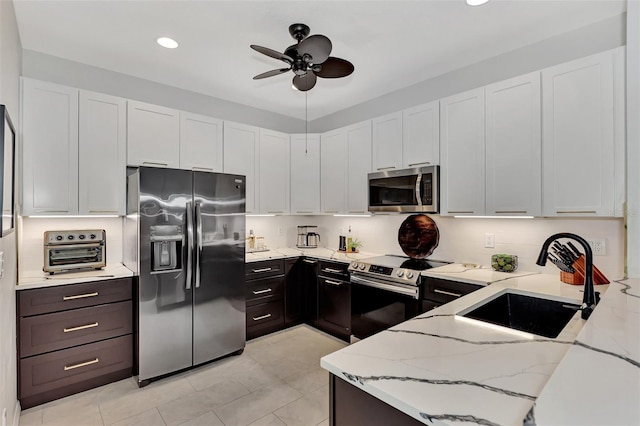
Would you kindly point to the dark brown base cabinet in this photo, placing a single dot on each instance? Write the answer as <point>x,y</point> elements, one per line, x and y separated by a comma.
<point>334,299</point>
<point>72,338</point>
<point>264,290</point>
<point>350,406</point>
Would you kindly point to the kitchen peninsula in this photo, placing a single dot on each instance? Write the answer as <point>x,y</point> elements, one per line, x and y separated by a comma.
<point>439,369</point>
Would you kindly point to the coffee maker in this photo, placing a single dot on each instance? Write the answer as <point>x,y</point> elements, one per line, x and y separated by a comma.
<point>307,237</point>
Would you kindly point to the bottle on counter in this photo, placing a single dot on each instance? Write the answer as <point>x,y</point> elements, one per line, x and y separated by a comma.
<point>349,239</point>
<point>252,240</point>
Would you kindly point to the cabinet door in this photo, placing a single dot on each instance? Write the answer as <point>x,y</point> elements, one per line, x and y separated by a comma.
<point>240,157</point>
<point>578,137</point>
<point>335,306</point>
<point>102,154</point>
<point>387,142</point>
<point>421,135</point>
<point>513,147</point>
<point>273,169</point>
<point>359,165</point>
<point>462,154</point>
<point>50,148</point>
<point>305,174</point>
<point>153,135</point>
<point>200,142</point>
<point>333,171</point>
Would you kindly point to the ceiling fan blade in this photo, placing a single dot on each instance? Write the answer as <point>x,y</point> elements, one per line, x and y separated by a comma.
<point>272,53</point>
<point>305,82</point>
<point>271,73</point>
<point>317,46</point>
<point>335,68</point>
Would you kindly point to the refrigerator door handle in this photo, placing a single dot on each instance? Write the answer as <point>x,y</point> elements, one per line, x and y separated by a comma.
<point>189,214</point>
<point>198,242</point>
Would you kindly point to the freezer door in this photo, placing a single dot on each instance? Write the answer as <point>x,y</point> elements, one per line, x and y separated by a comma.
<point>219,308</point>
<point>165,296</point>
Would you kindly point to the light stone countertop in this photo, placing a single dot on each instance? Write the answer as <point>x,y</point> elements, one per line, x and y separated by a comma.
<point>37,279</point>
<point>442,370</point>
<point>472,273</point>
<point>319,253</point>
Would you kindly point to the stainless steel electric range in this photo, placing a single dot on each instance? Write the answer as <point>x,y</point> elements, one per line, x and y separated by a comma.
<point>385,291</point>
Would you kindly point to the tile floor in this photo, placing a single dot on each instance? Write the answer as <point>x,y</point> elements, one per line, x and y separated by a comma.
<point>276,381</point>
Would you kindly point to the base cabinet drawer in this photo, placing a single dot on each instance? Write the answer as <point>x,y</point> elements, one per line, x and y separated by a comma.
<point>264,318</point>
<point>264,290</point>
<point>72,296</point>
<point>61,373</point>
<point>60,330</point>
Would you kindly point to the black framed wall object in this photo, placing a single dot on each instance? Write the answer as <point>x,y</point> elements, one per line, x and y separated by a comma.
<point>7,160</point>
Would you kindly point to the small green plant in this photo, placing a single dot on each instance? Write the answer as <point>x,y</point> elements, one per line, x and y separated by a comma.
<point>354,245</point>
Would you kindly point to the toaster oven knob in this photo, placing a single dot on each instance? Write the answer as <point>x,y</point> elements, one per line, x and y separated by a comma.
<point>362,266</point>
<point>92,236</point>
<point>409,274</point>
<point>81,236</point>
<point>70,237</point>
<point>400,273</point>
<point>354,265</point>
<point>59,238</point>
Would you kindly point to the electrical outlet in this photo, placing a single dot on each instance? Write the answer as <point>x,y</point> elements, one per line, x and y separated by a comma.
<point>598,246</point>
<point>489,240</point>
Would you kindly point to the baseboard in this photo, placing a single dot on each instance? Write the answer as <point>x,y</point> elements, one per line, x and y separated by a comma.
<point>16,414</point>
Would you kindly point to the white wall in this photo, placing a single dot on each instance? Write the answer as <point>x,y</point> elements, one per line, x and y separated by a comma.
<point>62,71</point>
<point>603,35</point>
<point>461,240</point>
<point>10,60</point>
<point>633,139</point>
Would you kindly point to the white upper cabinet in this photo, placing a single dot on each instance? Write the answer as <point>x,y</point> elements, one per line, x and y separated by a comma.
<point>333,171</point>
<point>273,169</point>
<point>580,102</point>
<point>513,147</point>
<point>153,135</point>
<point>200,142</point>
<point>50,148</point>
<point>240,157</point>
<point>359,165</point>
<point>462,153</point>
<point>387,142</point>
<point>421,135</point>
<point>102,154</point>
<point>305,174</point>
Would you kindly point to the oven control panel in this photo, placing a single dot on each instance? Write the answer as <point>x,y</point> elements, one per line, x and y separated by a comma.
<point>405,276</point>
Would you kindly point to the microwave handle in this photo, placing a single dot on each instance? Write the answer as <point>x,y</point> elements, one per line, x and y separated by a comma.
<point>418,190</point>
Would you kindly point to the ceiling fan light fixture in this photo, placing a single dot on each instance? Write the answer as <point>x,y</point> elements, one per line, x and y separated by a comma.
<point>476,2</point>
<point>167,42</point>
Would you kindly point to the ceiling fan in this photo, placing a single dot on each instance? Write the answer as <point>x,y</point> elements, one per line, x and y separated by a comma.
<point>308,59</point>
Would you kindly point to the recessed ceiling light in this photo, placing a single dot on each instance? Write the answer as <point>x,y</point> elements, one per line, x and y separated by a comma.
<point>476,2</point>
<point>167,42</point>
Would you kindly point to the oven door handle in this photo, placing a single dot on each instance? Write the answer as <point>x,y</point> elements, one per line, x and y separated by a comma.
<point>412,292</point>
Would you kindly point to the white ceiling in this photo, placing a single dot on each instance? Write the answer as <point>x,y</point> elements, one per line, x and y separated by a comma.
<point>393,44</point>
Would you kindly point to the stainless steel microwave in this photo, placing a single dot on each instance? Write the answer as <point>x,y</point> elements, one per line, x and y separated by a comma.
<point>413,190</point>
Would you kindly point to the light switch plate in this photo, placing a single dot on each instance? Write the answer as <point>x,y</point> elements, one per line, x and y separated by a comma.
<point>489,240</point>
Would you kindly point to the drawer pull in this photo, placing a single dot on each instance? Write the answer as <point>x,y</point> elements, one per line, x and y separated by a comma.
<point>268,290</point>
<point>80,296</point>
<point>261,317</point>
<point>81,327</point>
<point>312,262</point>
<point>335,271</point>
<point>260,270</point>
<point>448,293</point>
<point>82,364</point>
<point>333,282</point>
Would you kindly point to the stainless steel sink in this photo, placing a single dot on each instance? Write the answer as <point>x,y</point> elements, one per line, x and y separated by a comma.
<point>522,311</point>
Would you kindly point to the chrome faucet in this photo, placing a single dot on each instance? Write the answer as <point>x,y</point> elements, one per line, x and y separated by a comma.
<point>590,298</point>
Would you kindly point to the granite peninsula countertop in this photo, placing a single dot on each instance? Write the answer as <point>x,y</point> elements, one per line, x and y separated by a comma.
<point>319,253</point>
<point>445,371</point>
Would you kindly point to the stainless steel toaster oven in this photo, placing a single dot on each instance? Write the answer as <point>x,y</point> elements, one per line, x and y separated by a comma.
<point>73,250</point>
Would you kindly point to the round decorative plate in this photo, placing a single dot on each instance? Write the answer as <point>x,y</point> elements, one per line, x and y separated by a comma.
<point>418,236</point>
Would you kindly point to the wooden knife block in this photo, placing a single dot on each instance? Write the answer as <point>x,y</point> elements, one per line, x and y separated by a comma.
<point>577,278</point>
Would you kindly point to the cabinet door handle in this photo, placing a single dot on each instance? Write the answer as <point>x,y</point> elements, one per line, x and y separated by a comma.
<point>80,296</point>
<point>417,164</point>
<point>356,211</point>
<point>260,270</point>
<point>207,169</point>
<point>262,317</point>
<point>274,211</point>
<point>461,211</point>
<point>331,211</point>
<point>448,293</point>
<point>511,211</point>
<point>304,211</point>
<point>333,282</point>
<point>267,290</point>
<point>153,163</point>
<point>103,211</point>
<point>386,168</point>
<point>313,262</point>
<point>82,364</point>
<point>576,211</point>
<point>81,327</point>
<point>335,271</point>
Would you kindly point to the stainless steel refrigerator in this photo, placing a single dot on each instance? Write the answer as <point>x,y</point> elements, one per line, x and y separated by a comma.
<point>185,238</point>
